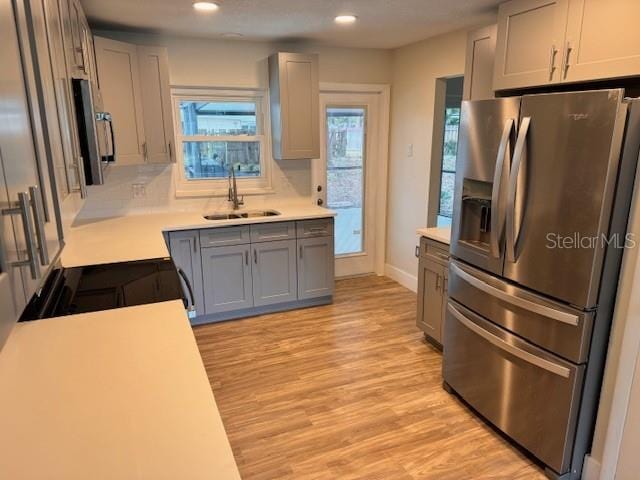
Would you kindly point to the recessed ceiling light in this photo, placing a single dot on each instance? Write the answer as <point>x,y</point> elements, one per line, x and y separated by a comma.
<point>232,35</point>
<point>345,19</point>
<point>206,6</point>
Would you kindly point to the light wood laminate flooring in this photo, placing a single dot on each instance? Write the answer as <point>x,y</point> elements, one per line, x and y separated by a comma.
<point>347,391</point>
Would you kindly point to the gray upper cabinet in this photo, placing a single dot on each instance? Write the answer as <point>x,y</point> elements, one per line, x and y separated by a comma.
<point>30,237</point>
<point>227,278</point>
<point>295,103</point>
<point>185,252</point>
<point>134,81</point>
<point>274,272</point>
<point>156,103</point>
<point>478,72</point>
<point>75,34</point>
<point>603,40</point>
<point>542,42</point>
<point>530,43</point>
<point>315,267</point>
<point>119,75</point>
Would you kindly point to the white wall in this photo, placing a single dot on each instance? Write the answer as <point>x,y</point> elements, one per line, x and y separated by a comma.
<point>222,63</point>
<point>415,70</point>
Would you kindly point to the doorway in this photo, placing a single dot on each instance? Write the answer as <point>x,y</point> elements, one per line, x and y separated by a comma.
<point>347,177</point>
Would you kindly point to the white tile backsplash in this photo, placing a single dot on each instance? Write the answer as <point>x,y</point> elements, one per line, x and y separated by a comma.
<point>139,189</point>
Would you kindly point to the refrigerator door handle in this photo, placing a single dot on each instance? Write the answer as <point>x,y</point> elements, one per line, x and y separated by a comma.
<point>507,347</point>
<point>496,214</point>
<point>530,306</point>
<point>513,185</point>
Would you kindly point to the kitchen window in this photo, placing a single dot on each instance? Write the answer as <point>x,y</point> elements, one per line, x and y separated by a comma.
<point>216,131</point>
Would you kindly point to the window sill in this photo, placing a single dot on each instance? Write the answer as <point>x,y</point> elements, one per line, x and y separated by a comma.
<point>221,192</point>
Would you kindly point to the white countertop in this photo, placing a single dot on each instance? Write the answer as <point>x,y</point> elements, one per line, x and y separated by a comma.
<point>118,394</point>
<point>139,237</point>
<point>439,234</point>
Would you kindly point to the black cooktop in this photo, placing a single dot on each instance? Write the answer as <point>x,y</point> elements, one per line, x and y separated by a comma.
<point>104,287</point>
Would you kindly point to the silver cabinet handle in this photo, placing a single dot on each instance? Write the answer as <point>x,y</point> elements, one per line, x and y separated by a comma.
<point>567,56</point>
<point>496,223</point>
<point>437,282</point>
<point>170,152</point>
<point>417,252</point>
<point>552,61</point>
<point>513,185</point>
<point>300,251</point>
<point>24,210</point>
<point>246,257</point>
<point>530,306</point>
<point>41,234</point>
<point>507,347</point>
<point>145,151</point>
<point>255,256</point>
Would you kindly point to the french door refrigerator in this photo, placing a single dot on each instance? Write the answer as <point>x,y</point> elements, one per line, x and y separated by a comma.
<point>543,190</point>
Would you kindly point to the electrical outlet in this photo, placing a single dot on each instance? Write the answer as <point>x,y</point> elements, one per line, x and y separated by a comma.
<point>410,150</point>
<point>138,190</point>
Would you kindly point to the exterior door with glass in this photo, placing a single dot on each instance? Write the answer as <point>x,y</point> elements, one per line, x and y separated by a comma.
<point>344,176</point>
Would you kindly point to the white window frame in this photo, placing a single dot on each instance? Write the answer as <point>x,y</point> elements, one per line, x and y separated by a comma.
<point>218,187</point>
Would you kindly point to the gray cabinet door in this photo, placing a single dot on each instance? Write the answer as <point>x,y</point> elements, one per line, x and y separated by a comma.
<point>24,156</point>
<point>478,70</point>
<point>274,272</point>
<point>315,267</point>
<point>227,278</point>
<point>529,46</point>
<point>430,298</point>
<point>185,252</point>
<point>603,40</point>
<point>295,104</point>
<point>156,103</point>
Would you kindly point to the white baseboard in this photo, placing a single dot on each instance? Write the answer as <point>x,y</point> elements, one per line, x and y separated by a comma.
<point>403,278</point>
<point>591,469</point>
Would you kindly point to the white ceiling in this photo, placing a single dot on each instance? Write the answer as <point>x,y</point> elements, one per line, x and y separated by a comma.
<point>381,23</point>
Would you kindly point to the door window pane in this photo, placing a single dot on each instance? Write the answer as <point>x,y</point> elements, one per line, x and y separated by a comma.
<point>345,176</point>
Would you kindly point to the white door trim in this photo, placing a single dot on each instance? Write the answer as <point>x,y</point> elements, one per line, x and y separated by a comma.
<point>382,159</point>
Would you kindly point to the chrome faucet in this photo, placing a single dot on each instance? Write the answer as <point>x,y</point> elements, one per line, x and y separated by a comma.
<point>233,190</point>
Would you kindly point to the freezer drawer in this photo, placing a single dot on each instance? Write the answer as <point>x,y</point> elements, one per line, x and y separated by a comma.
<point>529,394</point>
<point>562,330</point>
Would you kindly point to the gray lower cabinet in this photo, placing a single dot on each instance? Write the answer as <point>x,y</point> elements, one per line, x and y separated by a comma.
<point>275,279</point>
<point>227,278</point>
<point>432,288</point>
<point>315,267</point>
<point>185,252</point>
<point>244,270</point>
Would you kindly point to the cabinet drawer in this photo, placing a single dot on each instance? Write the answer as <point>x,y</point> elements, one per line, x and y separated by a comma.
<point>268,232</point>
<point>216,237</point>
<point>322,227</point>
<point>436,251</point>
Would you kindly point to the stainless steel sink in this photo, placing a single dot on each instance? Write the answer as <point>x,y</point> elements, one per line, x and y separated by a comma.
<point>258,213</point>
<point>241,214</point>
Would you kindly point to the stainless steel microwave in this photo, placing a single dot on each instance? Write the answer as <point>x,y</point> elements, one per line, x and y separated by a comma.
<point>95,131</point>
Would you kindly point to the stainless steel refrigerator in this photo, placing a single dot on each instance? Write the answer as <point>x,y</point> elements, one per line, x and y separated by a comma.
<point>542,196</point>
